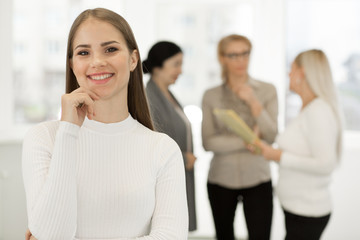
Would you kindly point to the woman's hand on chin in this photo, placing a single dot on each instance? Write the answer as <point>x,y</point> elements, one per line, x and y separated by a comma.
<point>78,104</point>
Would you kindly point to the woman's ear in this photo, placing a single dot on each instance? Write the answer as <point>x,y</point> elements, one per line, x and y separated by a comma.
<point>134,59</point>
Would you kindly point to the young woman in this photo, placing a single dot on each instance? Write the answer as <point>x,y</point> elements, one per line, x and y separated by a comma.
<point>309,149</point>
<point>101,172</point>
<point>164,63</point>
<point>236,175</point>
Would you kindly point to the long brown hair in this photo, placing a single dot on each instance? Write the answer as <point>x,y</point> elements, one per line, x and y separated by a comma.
<point>136,98</point>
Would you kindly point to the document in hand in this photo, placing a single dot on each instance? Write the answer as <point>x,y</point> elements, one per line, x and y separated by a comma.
<point>235,123</point>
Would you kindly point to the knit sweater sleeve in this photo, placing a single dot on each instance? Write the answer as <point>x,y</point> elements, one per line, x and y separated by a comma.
<point>49,168</point>
<point>170,218</point>
<point>319,127</point>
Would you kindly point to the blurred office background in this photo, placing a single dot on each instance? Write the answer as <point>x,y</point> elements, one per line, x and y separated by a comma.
<point>32,66</point>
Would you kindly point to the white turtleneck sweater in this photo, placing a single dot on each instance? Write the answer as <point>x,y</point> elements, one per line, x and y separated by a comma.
<point>103,181</point>
<point>309,157</point>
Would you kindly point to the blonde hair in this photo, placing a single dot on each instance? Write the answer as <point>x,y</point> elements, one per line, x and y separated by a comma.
<point>223,43</point>
<point>318,75</point>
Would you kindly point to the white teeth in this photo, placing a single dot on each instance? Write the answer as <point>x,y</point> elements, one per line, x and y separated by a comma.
<point>100,77</point>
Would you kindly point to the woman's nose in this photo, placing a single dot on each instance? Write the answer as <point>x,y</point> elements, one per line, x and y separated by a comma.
<point>98,61</point>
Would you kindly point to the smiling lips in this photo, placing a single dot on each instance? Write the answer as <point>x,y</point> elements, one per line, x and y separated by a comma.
<point>100,78</point>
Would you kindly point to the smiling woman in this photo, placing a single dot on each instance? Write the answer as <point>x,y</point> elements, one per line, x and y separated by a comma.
<point>102,67</point>
<point>101,172</point>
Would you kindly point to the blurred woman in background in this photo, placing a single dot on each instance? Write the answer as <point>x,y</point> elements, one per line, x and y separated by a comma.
<point>309,149</point>
<point>164,63</point>
<point>236,175</point>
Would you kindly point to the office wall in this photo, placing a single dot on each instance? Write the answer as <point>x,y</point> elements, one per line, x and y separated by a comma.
<point>12,196</point>
<point>5,63</point>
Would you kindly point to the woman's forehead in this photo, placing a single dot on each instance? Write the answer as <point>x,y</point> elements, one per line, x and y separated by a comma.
<point>93,30</point>
<point>238,45</point>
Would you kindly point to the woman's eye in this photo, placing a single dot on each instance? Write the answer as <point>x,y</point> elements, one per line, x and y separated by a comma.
<point>178,64</point>
<point>111,49</point>
<point>83,53</point>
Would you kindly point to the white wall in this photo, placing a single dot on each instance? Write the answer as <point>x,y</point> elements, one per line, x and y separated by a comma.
<point>345,220</point>
<point>13,220</point>
<point>5,64</point>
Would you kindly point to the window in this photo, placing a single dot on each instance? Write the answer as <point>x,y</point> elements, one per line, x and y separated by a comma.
<point>199,27</point>
<point>334,27</point>
<point>39,60</point>
<point>40,38</point>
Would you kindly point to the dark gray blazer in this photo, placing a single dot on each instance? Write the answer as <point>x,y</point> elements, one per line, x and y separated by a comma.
<point>167,120</point>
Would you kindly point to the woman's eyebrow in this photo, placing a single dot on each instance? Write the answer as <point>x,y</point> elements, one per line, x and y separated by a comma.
<point>107,43</point>
<point>88,45</point>
<point>82,46</point>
